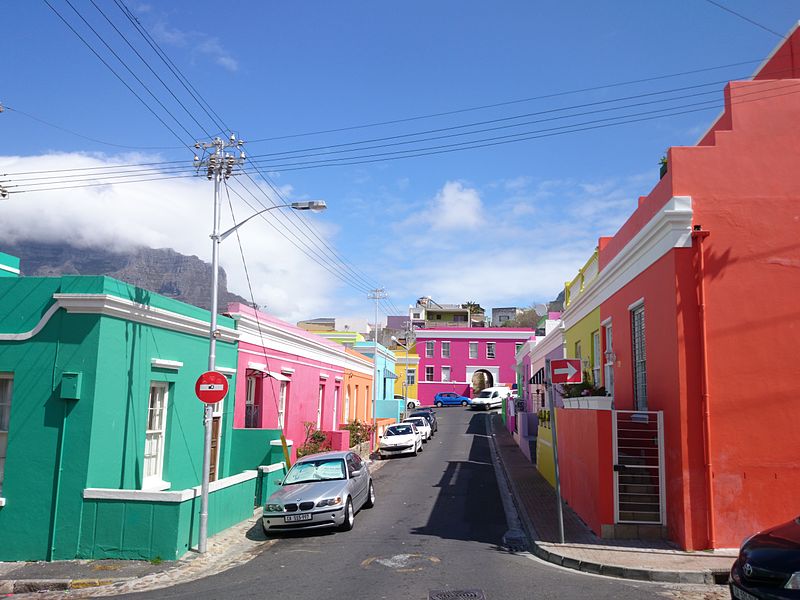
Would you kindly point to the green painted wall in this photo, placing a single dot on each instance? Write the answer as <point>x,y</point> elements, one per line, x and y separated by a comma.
<point>59,447</point>
<point>582,332</point>
<point>251,448</point>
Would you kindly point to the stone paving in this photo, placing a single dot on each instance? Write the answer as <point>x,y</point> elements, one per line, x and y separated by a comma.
<point>636,559</point>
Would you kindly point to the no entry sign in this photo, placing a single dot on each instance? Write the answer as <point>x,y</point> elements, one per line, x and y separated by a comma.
<point>211,387</point>
<point>566,370</point>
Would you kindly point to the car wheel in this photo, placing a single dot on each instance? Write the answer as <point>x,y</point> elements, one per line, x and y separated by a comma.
<point>349,516</point>
<point>439,404</point>
<point>420,447</point>
<point>414,452</point>
<point>463,403</point>
<point>264,529</point>
<point>370,496</point>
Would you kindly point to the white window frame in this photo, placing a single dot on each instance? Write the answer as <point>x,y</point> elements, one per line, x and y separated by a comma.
<point>596,358</point>
<point>411,376</point>
<point>445,349</point>
<point>490,350</point>
<point>639,359</point>
<point>319,405</point>
<point>473,349</point>
<point>608,382</point>
<point>430,348</point>
<point>5,424</point>
<point>445,373</point>
<point>155,480</point>
<point>282,395</point>
<point>518,347</point>
<point>347,404</point>
<point>250,399</point>
<point>336,389</point>
<point>429,373</point>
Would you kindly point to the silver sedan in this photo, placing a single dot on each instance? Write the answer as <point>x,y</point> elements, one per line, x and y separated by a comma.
<point>320,490</point>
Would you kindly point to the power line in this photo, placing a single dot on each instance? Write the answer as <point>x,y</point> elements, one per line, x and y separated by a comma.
<point>506,103</point>
<point>748,19</point>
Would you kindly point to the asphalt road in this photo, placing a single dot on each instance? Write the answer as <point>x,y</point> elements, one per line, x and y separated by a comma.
<point>437,525</point>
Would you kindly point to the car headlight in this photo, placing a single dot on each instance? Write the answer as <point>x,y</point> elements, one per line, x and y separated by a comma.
<point>273,508</point>
<point>329,502</point>
<point>794,582</point>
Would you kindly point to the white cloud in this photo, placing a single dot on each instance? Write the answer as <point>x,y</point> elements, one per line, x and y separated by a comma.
<point>455,207</point>
<point>198,42</point>
<point>171,213</point>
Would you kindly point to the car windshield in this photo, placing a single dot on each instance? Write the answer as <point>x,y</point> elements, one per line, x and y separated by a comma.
<point>419,422</point>
<point>323,469</point>
<point>399,430</point>
<point>485,394</point>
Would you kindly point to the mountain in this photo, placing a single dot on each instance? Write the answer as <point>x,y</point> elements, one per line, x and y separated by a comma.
<point>164,271</point>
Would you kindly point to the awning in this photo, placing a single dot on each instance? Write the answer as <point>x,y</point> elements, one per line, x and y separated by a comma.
<point>262,368</point>
<point>387,374</point>
<point>538,377</point>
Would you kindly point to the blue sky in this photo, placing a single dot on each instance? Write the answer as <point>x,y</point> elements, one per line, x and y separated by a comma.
<point>503,225</point>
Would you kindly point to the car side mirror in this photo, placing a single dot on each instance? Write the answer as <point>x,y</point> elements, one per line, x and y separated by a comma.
<point>355,473</point>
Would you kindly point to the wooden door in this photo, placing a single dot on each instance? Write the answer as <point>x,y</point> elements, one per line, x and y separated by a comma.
<point>215,425</point>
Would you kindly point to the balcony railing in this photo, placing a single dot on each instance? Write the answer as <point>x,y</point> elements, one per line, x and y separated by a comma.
<point>587,274</point>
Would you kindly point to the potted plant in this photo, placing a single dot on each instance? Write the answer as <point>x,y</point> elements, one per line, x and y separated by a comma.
<point>585,395</point>
<point>664,162</point>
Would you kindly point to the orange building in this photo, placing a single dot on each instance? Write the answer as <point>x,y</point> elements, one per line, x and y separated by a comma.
<point>698,304</point>
<point>358,388</point>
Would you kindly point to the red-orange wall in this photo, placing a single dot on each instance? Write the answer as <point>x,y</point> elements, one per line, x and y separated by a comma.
<point>745,190</point>
<point>585,464</point>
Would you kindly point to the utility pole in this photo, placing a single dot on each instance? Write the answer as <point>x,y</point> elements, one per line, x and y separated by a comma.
<point>377,294</point>
<point>219,164</point>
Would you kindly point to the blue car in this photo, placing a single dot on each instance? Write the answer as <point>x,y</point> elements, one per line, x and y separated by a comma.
<point>450,398</point>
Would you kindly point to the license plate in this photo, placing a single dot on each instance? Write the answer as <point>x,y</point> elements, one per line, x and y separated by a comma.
<point>741,594</point>
<point>293,518</point>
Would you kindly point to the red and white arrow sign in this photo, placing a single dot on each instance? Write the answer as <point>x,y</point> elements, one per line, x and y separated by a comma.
<point>567,370</point>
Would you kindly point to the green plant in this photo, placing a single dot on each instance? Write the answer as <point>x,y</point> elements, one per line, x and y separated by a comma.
<point>585,388</point>
<point>315,440</point>
<point>663,161</point>
<point>156,561</point>
<point>360,432</point>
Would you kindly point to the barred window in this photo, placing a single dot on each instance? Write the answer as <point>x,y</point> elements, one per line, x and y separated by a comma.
<point>639,358</point>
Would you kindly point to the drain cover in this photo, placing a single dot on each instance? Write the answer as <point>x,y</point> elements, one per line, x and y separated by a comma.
<point>456,595</point>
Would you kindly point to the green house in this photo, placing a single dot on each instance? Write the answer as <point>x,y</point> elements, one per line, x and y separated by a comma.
<point>101,434</point>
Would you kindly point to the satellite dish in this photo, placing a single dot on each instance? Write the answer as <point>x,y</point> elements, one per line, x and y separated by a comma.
<point>541,309</point>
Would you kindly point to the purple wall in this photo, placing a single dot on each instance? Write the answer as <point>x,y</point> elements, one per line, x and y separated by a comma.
<point>502,366</point>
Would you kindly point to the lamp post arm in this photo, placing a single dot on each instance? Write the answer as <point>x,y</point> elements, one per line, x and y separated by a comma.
<point>225,234</point>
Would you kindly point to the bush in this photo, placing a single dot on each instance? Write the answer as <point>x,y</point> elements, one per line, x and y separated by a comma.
<point>315,441</point>
<point>360,432</point>
<point>578,390</point>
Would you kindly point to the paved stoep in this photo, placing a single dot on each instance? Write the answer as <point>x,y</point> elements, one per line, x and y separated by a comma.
<point>438,524</point>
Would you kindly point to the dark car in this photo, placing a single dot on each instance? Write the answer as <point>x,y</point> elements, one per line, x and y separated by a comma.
<point>450,398</point>
<point>769,564</point>
<point>429,416</point>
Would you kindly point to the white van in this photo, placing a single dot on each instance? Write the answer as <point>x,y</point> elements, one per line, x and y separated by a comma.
<point>491,397</point>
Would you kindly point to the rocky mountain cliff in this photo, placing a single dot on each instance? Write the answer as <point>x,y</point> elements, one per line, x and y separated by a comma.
<point>164,271</point>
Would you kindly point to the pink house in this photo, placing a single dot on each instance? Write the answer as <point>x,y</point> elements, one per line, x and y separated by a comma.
<point>289,377</point>
<point>458,359</point>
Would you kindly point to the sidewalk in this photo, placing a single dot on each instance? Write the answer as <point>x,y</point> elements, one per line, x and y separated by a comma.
<point>647,560</point>
<point>235,546</point>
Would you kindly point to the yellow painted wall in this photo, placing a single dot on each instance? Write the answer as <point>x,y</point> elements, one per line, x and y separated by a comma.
<point>400,370</point>
<point>545,462</point>
<point>582,332</point>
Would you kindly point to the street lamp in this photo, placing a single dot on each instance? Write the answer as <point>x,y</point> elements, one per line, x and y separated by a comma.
<point>316,205</point>
<point>405,372</point>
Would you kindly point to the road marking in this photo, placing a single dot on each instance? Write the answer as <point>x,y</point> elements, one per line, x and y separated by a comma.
<point>402,563</point>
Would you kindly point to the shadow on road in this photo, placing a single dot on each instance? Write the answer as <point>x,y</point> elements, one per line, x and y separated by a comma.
<point>468,506</point>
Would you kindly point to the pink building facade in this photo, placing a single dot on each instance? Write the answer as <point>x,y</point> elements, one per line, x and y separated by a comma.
<point>289,377</point>
<point>452,359</point>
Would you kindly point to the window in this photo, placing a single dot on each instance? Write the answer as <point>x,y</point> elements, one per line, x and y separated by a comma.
<point>6,385</point>
<point>578,350</point>
<point>445,349</point>
<point>411,376</point>
<point>429,349</point>
<point>490,349</point>
<point>596,358</point>
<point>346,415</point>
<point>252,403</point>
<point>502,318</point>
<point>459,318</point>
<point>428,373</point>
<point>517,347</point>
<point>335,408</point>
<point>438,317</point>
<point>319,405</point>
<point>473,349</point>
<point>609,360</point>
<point>639,358</point>
<point>282,403</point>
<point>416,316</point>
<point>445,373</point>
<point>154,436</point>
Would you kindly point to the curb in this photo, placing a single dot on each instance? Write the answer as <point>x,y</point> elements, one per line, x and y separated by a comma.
<point>23,586</point>
<point>708,577</point>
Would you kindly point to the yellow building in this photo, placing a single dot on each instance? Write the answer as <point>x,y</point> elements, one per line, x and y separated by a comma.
<point>407,369</point>
<point>582,323</point>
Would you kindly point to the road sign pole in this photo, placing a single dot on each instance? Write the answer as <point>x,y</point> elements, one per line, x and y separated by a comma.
<point>548,387</point>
